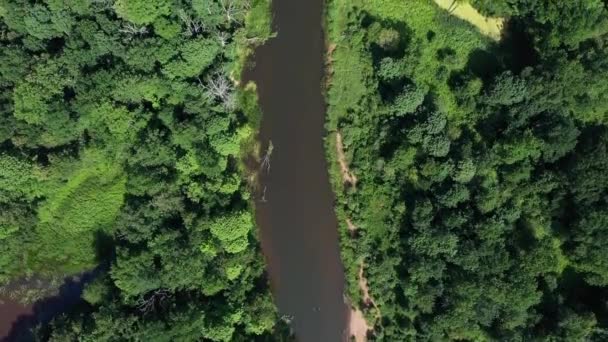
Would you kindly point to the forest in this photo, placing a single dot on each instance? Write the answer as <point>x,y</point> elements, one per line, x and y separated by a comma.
<point>470,170</point>
<point>468,167</point>
<point>122,135</point>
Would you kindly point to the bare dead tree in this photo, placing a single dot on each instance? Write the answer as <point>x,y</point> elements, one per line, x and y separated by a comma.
<point>229,8</point>
<point>234,10</point>
<point>219,87</point>
<point>133,30</point>
<point>147,304</point>
<point>287,318</point>
<point>222,37</point>
<point>254,40</point>
<point>263,200</point>
<point>266,160</point>
<point>193,26</point>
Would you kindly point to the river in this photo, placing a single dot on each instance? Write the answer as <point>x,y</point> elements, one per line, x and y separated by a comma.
<point>298,226</point>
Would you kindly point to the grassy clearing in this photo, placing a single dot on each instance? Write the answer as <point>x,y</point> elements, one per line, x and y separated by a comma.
<point>491,27</point>
<point>259,20</point>
<point>78,212</point>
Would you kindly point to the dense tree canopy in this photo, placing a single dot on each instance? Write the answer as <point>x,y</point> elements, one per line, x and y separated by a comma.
<point>120,136</point>
<point>480,206</point>
<point>478,210</point>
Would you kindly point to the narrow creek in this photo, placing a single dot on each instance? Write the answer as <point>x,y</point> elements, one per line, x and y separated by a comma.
<point>17,319</point>
<point>298,227</point>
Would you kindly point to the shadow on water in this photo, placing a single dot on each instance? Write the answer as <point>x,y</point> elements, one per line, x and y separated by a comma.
<point>24,317</point>
<point>294,210</point>
<point>44,310</point>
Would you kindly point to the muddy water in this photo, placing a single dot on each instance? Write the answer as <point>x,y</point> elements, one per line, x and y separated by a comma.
<point>298,227</point>
<point>10,311</point>
<point>17,320</point>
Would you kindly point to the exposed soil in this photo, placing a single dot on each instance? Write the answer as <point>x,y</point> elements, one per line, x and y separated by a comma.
<point>367,298</point>
<point>347,176</point>
<point>351,227</point>
<point>329,60</point>
<point>358,326</point>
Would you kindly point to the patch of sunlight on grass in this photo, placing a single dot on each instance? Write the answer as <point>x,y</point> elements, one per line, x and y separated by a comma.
<point>491,27</point>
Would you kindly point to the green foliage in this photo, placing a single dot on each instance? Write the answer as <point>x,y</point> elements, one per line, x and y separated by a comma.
<point>196,55</point>
<point>19,179</point>
<point>588,256</point>
<point>31,96</point>
<point>479,203</point>
<point>90,199</point>
<point>97,291</point>
<point>232,231</point>
<point>258,19</point>
<point>76,213</point>
<point>388,39</point>
<point>142,12</point>
<point>116,156</point>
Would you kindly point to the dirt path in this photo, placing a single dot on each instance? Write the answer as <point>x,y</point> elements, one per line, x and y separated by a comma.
<point>358,325</point>
<point>347,175</point>
<point>491,27</point>
<point>367,298</point>
<point>329,61</point>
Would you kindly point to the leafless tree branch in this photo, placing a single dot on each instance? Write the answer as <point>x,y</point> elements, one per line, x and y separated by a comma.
<point>223,37</point>
<point>133,30</point>
<point>266,160</point>
<point>193,26</point>
<point>219,87</point>
<point>149,303</point>
<point>234,10</point>
<point>263,200</point>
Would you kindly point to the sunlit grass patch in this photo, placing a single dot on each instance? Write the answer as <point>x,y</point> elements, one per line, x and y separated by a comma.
<point>78,212</point>
<point>491,27</point>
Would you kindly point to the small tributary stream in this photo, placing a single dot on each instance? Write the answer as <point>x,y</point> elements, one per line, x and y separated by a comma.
<point>18,319</point>
<point>298,227</point>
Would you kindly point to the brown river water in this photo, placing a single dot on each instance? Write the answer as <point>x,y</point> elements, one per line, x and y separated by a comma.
<point>17,319</point>
<point>10,311</point>
<point>298,226</point>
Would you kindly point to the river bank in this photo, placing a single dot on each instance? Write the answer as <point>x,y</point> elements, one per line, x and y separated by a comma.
<point>371,47</point>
